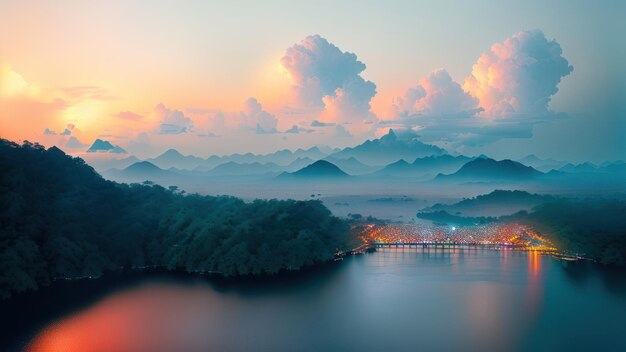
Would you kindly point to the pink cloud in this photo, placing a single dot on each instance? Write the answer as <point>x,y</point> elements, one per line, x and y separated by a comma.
<point>519,76</point>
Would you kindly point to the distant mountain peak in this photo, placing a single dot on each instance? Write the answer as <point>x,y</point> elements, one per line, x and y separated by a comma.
<point>143,166</point>
<point>100,145</point>
<point>487,168</point>
<point>172,153</point>
<point>319,169</point>
<point>396,144</point>
<point>390,136</point>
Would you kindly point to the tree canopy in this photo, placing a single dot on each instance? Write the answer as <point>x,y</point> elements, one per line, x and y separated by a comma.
<point>60,219</point>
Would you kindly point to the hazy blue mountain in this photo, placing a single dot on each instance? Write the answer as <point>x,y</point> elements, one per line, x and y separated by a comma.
<point>389,148</point>
<point>486,169</point>
<point>138,172</point>
<point>237,169</point>
<point>319,169</point>
<point>298,164</point>
<point>173,158</point>
<point>143,169</point>
<point>543,165</point>
<point>617,168</point>
<point>112,163</point>
<point>576,168</point>
<point>351,165</point>
<point>100,145</point>
<point>314,153</point>
<point>282,157</point>
<point>424,168</point>
<point>496,203</point>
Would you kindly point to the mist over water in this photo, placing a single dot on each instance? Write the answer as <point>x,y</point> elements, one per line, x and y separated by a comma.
<point>402,299</point>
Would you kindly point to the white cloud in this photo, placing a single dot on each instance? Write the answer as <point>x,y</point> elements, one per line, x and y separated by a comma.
<point>519,76</point>
<point>254,117</point>
<point>436,94</point>
<point>172,121</point>
<point>511,85</point>
<point>327,78</point>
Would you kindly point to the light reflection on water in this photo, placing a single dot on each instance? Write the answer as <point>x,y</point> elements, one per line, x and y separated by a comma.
<point>397,299</point>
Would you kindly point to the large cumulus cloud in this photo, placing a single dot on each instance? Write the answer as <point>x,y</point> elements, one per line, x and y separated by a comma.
<point>327,78</point>
<point>506,95</point>
<point>436,94</point>
<point>519,76</point>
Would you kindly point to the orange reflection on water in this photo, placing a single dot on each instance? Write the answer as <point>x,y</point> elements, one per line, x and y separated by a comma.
<point>146,319</point>
<point>534,263</point>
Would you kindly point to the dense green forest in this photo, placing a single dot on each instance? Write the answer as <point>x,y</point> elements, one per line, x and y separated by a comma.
<point>60,219</point>
<point>595,228</point>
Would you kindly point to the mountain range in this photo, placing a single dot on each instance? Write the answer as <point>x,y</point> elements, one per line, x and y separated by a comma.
<point>424,168</point>
<point>487,169</point>
<point>390,148</point>
<point>379,158</point>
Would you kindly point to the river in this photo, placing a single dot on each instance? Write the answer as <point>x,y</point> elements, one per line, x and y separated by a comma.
<point>397,299</point>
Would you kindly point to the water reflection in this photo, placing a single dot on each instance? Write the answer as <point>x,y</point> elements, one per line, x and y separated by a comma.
<point>397,299</point>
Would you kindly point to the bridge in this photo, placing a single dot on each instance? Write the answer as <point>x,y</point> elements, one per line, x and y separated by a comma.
<point>451,245</point>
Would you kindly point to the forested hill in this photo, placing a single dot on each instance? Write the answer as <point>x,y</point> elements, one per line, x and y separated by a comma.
<point>60,219</point>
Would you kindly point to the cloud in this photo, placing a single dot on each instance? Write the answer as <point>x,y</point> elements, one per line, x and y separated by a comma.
<point>49,132</point>
<point>436,94</point>
<point>327,78</point>
<point>68,129</point>
<point>511,85</point>
<point>207,135</point>
<point>172,121</point>
<point>295,130</point>
<point>519,76</point>
<point>12,84</point>
<point>316,123</point>
<point>217,122</point>
<point>254,117</point>
<point>87,93</point>
<point>128,115</point>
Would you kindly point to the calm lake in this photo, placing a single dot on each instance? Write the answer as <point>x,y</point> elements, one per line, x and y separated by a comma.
<point>393,300</point>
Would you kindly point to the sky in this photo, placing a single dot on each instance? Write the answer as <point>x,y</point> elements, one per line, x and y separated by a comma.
<point>503,78</point>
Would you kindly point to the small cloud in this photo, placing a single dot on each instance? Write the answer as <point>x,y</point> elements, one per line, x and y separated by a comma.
<point>168,128</point>
<point>201,111</point>
<point>261,130</point>
<point>172,121</point>
<point>128,115</point>
<point>87,93</point>
<point>207,135</point>
<point>49,131</point>
<point>295,130</point>
<point>316,123</point>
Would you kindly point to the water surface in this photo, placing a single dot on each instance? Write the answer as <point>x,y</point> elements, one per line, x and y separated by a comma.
<point>393,300</point>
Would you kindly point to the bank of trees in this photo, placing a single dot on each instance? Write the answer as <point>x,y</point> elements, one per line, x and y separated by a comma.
<point>59,218</point>
<point>593,227</point>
